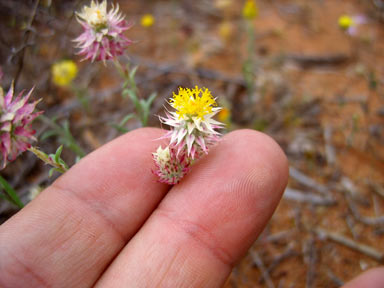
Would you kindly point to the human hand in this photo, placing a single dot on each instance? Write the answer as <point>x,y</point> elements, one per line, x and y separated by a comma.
<point>108,223</point>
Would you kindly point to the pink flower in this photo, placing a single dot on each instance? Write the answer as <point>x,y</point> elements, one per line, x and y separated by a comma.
<point>350,24</point>
<point>193,126</point>
<point>103,37</point>
<point>15,125</point>
<point>193,132</point>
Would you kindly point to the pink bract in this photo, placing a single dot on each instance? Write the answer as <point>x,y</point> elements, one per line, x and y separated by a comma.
<point>103,41</point>
<point>16,133</point>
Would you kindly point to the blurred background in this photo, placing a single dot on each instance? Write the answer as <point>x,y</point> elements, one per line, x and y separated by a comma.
<point>309,73</point>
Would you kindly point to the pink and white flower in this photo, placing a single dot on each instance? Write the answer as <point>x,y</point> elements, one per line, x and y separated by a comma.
<point>16,133</point>
<point>103,36</point>
<point>350,24</point>
<point>192,123</point>
<point>193,131</point>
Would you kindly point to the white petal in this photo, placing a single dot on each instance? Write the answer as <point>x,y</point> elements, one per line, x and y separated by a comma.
<point>190,139</point>
<point>190,127</point>
<point>181,135</point>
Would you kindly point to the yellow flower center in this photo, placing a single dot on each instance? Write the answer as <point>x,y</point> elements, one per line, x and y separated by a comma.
<point>147,20</point>
<point>345,22</point>
<point>192,103</point>
<point>64,72</point>
<point>95,15</point>
<point>98,12</point>
<point>250,10</point>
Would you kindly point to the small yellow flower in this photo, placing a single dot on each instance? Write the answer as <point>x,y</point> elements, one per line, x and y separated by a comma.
<point>63,72</point>
<point>193,103</point>
<point>224,115</point>
<point>250,10</point>
<point>345,22</point>
<point>147,20</point>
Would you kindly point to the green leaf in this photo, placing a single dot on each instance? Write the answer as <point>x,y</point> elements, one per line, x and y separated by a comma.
<point>151,98</point>
<point>11,192</point>
<point>58,153</point>
<point>48,134</point>
<point>119,128</point>
<point>126,119</point>
<point>50,173</point>
<point>132,95</point>
<point>132,73</point>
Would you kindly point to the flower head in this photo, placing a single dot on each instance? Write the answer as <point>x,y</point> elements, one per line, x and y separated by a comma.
<point>250,10</point>
<point>103,37</point>
<point>16,133</point>
<point>147,20</point>
<point>63,72</point>
<point>192,103</point>
<point>349,24</point>
<point>192,122</point>
<point>192,132</point>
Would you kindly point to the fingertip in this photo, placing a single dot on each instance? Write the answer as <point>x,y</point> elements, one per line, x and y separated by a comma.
<point>260,147</point>
<point>373,278</point>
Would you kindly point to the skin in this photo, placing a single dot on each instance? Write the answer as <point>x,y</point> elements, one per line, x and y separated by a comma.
<point>108,223</point>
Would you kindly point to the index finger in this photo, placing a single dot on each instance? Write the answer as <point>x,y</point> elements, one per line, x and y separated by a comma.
<point>69,234</point>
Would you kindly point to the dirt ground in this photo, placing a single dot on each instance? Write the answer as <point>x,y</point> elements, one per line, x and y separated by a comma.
<point>317,90</point>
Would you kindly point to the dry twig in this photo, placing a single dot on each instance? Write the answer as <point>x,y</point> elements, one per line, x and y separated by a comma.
<point>264,272</point>
<point>307,181</point>
<point>310,258</point>
<point>305,197</point>
<point>372,221</point>
<point>359,247</point>
<point>288,253</point>
<point>330,153</point>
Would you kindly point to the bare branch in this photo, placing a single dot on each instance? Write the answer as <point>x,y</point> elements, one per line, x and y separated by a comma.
<point>307,181</point>
<point>305,197</point>
<point>359,247</point>
<point>264,272</point>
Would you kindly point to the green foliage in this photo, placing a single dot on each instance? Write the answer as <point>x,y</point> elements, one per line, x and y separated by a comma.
<point>120,127</point>
<point>63,133</point>
<point>10,194</point>
<point>142,106</point>
<point>53,160</point>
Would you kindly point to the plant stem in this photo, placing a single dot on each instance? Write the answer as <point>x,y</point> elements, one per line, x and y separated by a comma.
<point>11,192</point>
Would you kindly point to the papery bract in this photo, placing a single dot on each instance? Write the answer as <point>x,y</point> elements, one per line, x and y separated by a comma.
<point>16,133</point>
<point>103,36</point>
<point>170,165</point>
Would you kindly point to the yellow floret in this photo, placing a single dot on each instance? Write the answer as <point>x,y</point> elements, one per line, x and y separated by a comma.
<point>193,103</point>
<point>147,20</point>
<point>345,22</point>
<point>64,72</point>
<point>224,115</point>
<point>250,10</point>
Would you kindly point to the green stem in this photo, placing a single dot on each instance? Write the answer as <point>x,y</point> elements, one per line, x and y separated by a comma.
<point>11,193</point>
